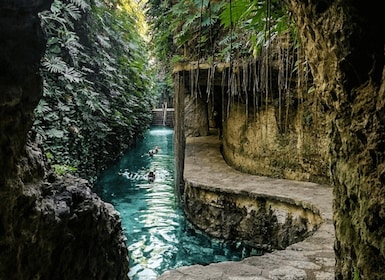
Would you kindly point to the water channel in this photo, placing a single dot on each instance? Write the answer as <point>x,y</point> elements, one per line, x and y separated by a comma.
<point>158,236</point>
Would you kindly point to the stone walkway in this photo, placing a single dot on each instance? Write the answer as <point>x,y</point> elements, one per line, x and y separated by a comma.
<point>310,259</point>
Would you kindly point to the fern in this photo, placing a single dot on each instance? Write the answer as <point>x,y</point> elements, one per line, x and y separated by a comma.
<point>56,8</point>
<point>43,107</point>
<point>55,133</point>
<point>103,41</point>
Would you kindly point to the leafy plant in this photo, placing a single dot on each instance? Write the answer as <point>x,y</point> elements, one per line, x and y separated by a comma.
<point>98,86</point>
<point>241,34</point>
<point>63,169</point>
<point>204,29</point>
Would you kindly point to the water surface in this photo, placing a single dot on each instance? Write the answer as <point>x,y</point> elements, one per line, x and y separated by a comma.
<point>158,237</point>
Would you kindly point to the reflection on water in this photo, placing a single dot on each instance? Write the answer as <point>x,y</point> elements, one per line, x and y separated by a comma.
<point>158,237</point>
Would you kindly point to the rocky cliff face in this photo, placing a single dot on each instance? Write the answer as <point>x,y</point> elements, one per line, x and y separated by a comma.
<point>282,136</point>
<point>50,228</point>
<point>344,44</point>
<point>257,146</point>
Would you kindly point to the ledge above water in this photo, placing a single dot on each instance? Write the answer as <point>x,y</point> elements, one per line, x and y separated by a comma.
<point>264,222</point>
<point>211,183</point>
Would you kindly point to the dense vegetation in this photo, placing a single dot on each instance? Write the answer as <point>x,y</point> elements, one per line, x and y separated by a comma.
<point>215,31</point>
<point>255,40</point>
<point>98,86</point>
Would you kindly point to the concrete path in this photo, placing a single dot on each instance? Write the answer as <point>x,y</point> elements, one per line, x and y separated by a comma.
<point>310,259</point>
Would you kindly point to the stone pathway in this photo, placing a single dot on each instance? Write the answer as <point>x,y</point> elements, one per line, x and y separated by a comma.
<point>310,259</point>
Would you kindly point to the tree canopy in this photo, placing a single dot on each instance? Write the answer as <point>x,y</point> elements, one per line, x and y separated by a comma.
<point>192,30</point>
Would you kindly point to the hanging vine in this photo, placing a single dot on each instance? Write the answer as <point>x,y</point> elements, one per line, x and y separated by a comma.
<point>241,34</point>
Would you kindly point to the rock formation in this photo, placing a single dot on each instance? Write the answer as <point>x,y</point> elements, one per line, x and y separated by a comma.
<point>262,221</point>
<point>344,44</point>
<point>50,227</point>
<point>284,135</point>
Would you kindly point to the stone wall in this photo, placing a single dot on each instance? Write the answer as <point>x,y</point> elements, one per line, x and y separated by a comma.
<point>257,145</point>
<point>288,141</point>
<point>264,222</point>
<point>344,44</point>
<point>196,121</point>
<point>50,227</point>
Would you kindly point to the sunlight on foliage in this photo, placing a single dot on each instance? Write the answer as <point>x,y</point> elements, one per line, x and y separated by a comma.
<point>98,86</point>
<point>202,29</point>
<point>64,169</point>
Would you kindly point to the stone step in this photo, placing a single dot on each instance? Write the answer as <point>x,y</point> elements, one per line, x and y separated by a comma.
<point>158,117</point>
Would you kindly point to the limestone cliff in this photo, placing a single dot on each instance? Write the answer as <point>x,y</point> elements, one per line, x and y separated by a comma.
<point>344,44</point>
<point>258,146</point>
<point>50,228</point>
<point>282,136</point>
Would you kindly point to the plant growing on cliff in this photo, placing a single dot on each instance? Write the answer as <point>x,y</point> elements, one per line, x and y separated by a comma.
<point>97,86</point>
<point>199,29</point>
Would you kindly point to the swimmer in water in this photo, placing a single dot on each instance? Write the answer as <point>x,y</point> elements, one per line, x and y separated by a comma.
<point>151,176</point>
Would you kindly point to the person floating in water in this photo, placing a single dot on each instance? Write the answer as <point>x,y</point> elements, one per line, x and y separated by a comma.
<point>130,175</point>
<point>153,151</point>
<point>151,176</point>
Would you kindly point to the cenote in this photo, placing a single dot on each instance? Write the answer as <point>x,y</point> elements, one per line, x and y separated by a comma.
<point>158,236</point>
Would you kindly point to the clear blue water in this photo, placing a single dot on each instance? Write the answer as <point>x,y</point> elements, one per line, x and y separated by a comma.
<point>158,236</point>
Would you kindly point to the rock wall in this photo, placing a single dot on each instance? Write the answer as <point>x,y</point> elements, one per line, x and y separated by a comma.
<point>285,136</point>
<point>59,229</point>
<point>264,222</point>
<point>344,44</point>
<point>50,228</point>
<point>256,144</point>
<point>196,121</point>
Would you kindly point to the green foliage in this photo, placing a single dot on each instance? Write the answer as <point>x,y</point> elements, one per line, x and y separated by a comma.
<point>98,90</point>
<point>203,29</point>
<point>60,169</point>
<point>184,28</point>
<point>256,22</point>
<point>198,27</point>
<point>63,169</point>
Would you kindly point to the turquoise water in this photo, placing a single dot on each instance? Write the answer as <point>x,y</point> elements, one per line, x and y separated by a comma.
<point>158,236</point>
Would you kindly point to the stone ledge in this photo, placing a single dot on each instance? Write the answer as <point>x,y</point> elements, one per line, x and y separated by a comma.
<point>312,258</point>
<point>262,221</point>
